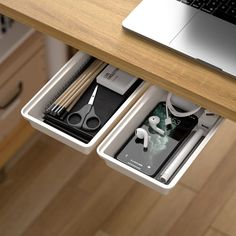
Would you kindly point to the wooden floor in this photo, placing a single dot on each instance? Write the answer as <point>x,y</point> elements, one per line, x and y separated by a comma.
<point>55,191</point>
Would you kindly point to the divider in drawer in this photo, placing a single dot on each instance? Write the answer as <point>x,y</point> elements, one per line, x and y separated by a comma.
<point>117,139</point>
<point>36,107</point>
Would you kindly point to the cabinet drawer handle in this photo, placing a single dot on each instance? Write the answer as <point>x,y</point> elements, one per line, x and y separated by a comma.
<point>14,96</point>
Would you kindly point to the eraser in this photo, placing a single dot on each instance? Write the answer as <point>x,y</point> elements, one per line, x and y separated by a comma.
<point>116,79</point>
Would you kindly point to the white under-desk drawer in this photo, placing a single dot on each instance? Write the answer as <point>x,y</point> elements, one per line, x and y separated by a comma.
<point>34,110</point>
<point>112,144</point>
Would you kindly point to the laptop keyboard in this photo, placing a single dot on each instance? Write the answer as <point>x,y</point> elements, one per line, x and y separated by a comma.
<point>224,9</point>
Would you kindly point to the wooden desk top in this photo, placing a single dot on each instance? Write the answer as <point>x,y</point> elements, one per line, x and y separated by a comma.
<point>94,26</point>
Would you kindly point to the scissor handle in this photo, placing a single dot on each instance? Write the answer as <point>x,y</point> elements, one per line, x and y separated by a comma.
<point>77,118</point>
<point>91,117</point>
<point>83,117</point>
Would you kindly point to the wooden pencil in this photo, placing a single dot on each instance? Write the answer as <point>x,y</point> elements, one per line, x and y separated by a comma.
<point>73,87</point>
<point>81,79</point>
<point>78,93</point>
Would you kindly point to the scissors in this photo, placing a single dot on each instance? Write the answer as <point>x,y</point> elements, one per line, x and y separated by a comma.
<point>86,117</point>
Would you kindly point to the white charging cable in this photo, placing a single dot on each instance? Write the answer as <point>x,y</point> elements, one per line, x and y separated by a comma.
<point>173,111</point>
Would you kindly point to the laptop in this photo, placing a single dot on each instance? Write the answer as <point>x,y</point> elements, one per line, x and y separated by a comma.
<point>202,29</point>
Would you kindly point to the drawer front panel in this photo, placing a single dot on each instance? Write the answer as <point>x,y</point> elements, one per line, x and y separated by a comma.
<point>20,56</point>
<point>18,89</point>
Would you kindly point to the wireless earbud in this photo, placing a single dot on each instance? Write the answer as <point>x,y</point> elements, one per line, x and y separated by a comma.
<point>153,122</point>
<point>142,134</point>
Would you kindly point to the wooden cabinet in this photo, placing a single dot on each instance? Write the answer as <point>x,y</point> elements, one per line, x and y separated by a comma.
<point>22,74</point>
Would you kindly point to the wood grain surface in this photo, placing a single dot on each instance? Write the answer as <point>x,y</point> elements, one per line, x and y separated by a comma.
<point>56,191</point>
<point>95,27</point>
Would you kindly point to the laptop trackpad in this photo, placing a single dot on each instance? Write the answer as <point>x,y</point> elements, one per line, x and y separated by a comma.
<point>159,20</point>
<point>209,39</point>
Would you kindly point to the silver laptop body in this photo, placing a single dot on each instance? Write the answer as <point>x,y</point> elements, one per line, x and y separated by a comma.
<point>188,30</point>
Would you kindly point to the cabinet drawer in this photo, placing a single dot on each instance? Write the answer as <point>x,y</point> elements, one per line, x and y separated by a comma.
<point>18,89</point>
<point>36,107</point>
<point>108,149</point>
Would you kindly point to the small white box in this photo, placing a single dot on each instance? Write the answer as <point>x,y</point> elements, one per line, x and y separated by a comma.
<point>115,79</point>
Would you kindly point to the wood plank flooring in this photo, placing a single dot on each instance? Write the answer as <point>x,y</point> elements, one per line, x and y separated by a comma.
<point>53,190</point>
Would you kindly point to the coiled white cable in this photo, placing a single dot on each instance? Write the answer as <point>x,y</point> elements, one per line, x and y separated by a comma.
<point>171,108</point>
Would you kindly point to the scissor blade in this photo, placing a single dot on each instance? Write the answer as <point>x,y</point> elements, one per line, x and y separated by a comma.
<point>91,100</point>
